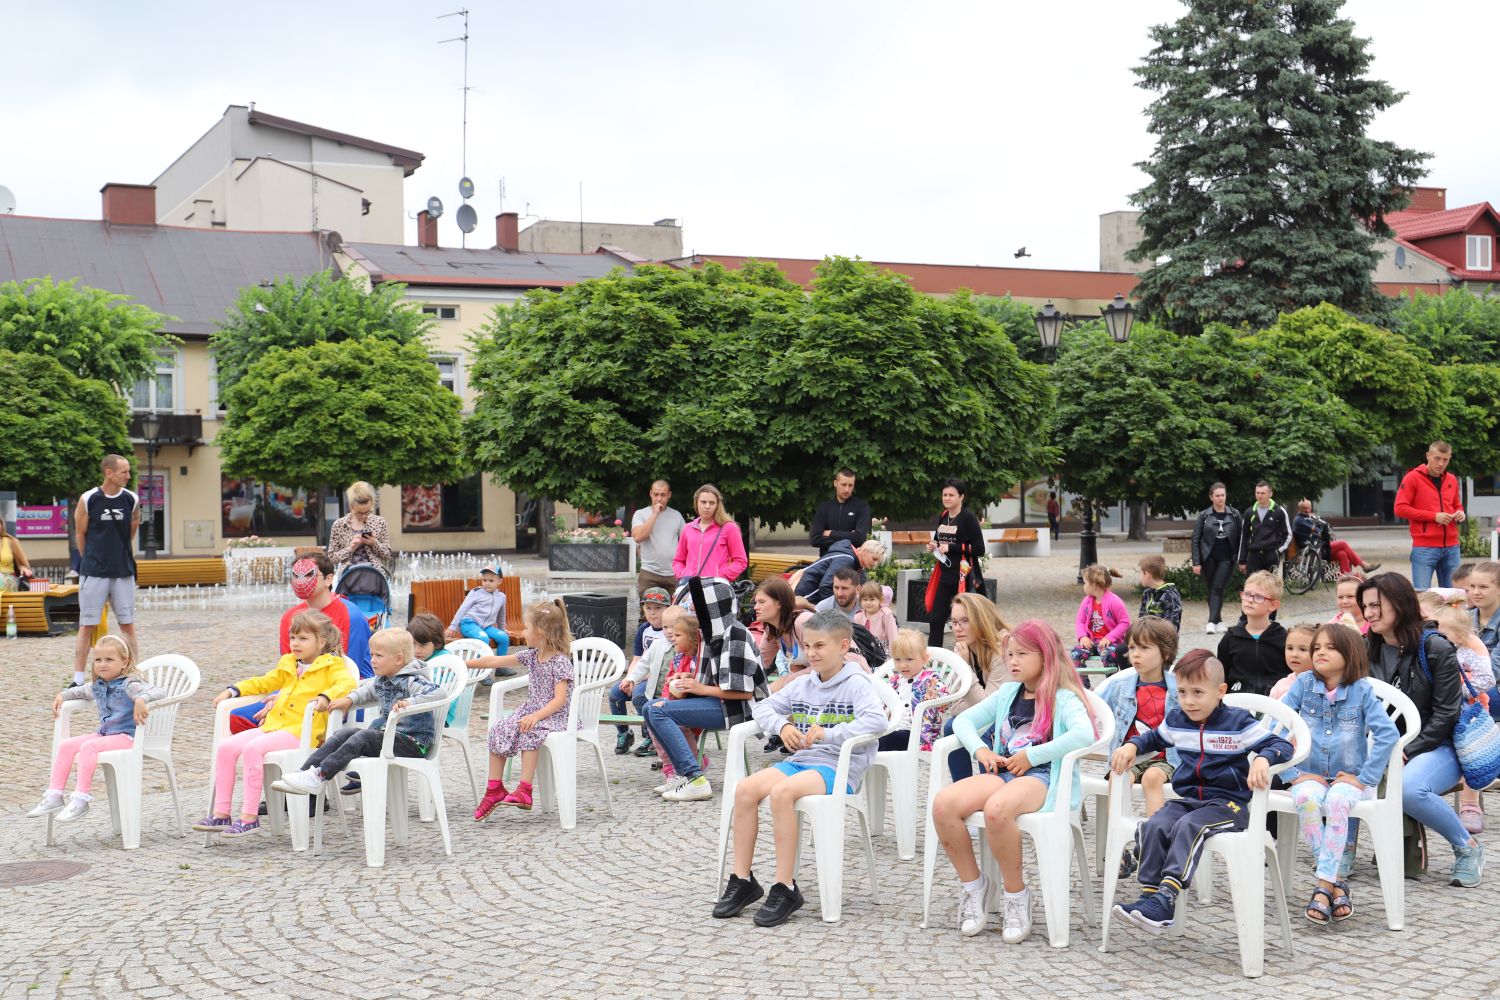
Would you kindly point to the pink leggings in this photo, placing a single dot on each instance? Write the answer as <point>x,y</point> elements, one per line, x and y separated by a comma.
<point>87,749</point>
<point>250,748</point>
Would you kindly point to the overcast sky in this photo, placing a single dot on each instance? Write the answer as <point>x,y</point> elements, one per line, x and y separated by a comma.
<point>938,132</point>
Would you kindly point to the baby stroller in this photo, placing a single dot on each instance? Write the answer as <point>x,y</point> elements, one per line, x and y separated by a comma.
<point>365,587</point>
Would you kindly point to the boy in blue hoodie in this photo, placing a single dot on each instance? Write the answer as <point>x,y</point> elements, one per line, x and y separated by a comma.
<point>1214,777</point>
<point>814,715</point>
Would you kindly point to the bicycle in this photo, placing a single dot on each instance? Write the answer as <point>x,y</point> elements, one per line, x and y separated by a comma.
<point>1313,563</point>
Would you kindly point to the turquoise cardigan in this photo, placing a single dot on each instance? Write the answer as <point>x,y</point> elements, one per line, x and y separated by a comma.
<point>1071,730</point>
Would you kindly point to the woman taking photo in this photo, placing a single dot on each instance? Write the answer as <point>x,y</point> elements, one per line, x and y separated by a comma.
<point>1216,542</point>
<point>956,540</point>
<point>1389,604</point>
<point>360,536</point>
<point>710,545</point>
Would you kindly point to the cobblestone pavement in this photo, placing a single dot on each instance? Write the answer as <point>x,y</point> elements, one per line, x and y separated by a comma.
<point>614,908</point>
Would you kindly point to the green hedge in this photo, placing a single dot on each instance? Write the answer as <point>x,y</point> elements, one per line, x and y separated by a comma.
<point>1192,587</point>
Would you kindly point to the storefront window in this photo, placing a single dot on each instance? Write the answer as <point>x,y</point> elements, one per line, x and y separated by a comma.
<point>451,507</point>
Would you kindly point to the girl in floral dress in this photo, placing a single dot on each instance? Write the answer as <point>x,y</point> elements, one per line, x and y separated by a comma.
<point>550,670</point>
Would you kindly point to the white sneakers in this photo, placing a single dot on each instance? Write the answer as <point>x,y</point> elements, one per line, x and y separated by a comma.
<point>303,782</point>
<point>76,807</point>
<point>675,781</point>
<point>51,802</point>
<point>1017,917</point>
<point>973,914</point>
<point>1213,627</point>
<point>689,791</point>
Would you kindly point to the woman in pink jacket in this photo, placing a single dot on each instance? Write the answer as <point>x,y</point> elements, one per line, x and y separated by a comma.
<point>711,544</point>
<point>1102,619</point>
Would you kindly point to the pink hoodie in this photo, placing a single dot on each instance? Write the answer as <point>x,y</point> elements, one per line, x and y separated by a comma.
<point>1116,618</point>
<point>725,553</point>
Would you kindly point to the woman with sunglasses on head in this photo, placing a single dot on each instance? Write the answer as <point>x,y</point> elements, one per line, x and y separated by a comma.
<point>1407,653</point>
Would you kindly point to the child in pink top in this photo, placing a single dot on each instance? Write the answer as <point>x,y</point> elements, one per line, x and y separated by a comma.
<point>1102,619</point>
<point>875,612</point>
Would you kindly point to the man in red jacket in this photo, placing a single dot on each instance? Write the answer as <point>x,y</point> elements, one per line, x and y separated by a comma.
<point>1429,500</point>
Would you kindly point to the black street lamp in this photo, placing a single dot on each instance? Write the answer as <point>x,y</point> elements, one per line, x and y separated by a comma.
<point>1118,318</point>
<point>150,434</point>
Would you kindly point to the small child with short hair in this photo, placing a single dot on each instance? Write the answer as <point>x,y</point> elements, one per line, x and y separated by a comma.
<point>1214,781</point>
<point>1159,599</point>
<point>1298,654</point>
<point>401,683</point>
<point>1457,626</point>
<point>482,614</point>
<point>875,612</point>
<point>1141,706</point>
<point>1102,619</point>
<point>648,635</point>
<point>1346,592</point>
<point>430,645</point>
<point>1253,651</point>
<point>915,682</point>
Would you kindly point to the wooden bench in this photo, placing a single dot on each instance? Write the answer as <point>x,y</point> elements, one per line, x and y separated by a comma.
<point>911,537</point>
<point>34,609</point>
<point>442,598</point>
<point>1017,542</point>
<point>763,567</point>
<point>208,571</point>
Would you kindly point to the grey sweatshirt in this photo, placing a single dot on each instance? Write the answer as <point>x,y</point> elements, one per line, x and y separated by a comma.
<point>846,706</point>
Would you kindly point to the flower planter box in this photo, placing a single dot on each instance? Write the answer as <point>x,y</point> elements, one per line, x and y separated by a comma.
<point>607,558</point>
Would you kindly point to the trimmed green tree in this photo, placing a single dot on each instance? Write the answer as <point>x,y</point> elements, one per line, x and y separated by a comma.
<point>1458,328</point>
<point>55,427</point>
<point>92,333</point>
<point>1017,321</point>
<point>1263,178</point>
<point>1472,423</point>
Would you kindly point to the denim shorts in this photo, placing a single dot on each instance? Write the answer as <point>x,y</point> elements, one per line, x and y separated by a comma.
<point>1042,774</point>
<point>789,769</point>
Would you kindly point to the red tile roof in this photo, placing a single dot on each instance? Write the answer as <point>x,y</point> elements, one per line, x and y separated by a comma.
<point>1423,225</point>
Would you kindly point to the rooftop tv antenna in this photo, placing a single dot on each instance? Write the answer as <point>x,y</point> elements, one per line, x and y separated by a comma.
<point>465,186</point>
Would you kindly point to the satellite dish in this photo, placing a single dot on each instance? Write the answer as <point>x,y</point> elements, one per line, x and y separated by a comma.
<point>466,188</point>
<point>1400,256</point>
<point>7,200</point>
<point>434,206</point>
<point>333,241</point>
<point>467,218</point>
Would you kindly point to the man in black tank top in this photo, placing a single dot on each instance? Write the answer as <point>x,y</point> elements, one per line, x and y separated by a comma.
<point>104,524</point>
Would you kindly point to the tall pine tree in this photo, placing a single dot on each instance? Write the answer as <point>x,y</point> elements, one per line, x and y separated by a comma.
<point>1266,194</point>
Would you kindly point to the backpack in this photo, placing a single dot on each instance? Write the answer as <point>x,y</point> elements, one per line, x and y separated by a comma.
<point>871,648</point>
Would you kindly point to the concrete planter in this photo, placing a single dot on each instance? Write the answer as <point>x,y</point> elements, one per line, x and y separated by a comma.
<point>588,558</point>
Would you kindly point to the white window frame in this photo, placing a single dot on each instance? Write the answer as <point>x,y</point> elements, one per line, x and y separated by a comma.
<point>435,310</point>
<point>215,404</point>
<point>167,363</point>
<point>457,361</point>
<point>1479,253</point>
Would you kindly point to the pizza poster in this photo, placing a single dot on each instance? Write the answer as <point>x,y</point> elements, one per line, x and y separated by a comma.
<point>421,507</point>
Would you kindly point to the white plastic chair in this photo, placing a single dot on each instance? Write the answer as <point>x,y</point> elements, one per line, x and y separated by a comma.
<point>597,664</point>
<point>1247,855</point>
<point>122,769</point>
<point>1096,786</point>
<point>1381,814</point>
<point>383,779</point>
<point>824,814</point>
<point>899,768</point>
<point>458,731</point>
<point>1054,832</point>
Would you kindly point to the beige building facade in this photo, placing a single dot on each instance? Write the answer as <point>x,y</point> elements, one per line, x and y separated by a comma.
<point>661,240</point>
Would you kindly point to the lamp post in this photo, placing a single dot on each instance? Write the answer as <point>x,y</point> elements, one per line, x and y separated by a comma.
<point>1118,318</point>
<point>150,433</point>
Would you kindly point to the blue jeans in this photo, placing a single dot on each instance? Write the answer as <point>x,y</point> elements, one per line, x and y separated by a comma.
<point>470,629</point>
<point>1427,776</point>
<point>1429,559</point>
<point>667,719</point>
<point>617,701</point>
<point>960,762</point>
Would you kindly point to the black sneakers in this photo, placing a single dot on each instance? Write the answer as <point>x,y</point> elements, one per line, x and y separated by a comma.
<point>780,904</point>
<point>647,748</point>
<point>623,742</point>
<point>738,894</point>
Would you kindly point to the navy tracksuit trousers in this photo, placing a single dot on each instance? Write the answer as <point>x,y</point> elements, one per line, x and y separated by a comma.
<point>1171,841</point>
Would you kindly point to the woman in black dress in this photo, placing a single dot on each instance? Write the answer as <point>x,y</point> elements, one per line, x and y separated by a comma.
<point>956,540</point>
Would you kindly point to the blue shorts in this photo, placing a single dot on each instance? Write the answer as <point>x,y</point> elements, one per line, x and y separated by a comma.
<point>789,769</point>
<point>1042,774</point>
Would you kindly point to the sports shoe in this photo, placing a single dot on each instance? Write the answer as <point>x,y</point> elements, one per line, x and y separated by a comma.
<point>1210,628</point>
<point>973,914</point>
<point>78,805</point>
<point>1468,863</point>
<point>670,784</point>
<point>304,782</point>
<point>690,791</point>
<point>1370,567</point>
<point>738,894</point>
<point>1017,917</point>
<point>520,797</point>
<point>212,824</point>
<point>51,802</point>
<point>646,749</point>
<point>1154,911</point>
<point>623,743</point>
<point>781,902</point>
<point>492,796</point>
<point>351,787</point>
<point>240,828</point>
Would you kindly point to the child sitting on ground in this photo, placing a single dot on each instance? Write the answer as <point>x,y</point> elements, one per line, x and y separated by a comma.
<point>549,667</point>
<point>401,684</point>
<point>1142,705</point>
<point>1159,599</point>
<point>875,612</point>
<point>815,715</point>
<point>915,682</point>
<point>313,667</point>
<point>1253,651</point>
<point>632,686</point>
<point>1102,619</point>
<point>1214,779</point>
<point>482,614</point>
<point>121,696</point>
<point>1298,653</point>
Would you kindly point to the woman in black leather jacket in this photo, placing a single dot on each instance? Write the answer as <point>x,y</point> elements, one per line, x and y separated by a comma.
<point>1398,638</point>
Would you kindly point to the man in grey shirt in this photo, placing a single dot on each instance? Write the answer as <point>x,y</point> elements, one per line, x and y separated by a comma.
<point>655,530</point>
<point>845,596</point>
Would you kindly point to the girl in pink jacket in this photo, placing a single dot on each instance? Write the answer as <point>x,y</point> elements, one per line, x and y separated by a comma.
<point>710,545</point>
<point>1102,619</point>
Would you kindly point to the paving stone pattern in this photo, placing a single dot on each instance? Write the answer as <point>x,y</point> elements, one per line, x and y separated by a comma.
<point>614,908</point>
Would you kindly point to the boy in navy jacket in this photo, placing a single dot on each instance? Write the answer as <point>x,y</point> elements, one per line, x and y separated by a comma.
<point>1214,777</point>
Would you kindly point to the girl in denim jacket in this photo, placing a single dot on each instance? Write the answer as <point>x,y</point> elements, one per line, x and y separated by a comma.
<point>1352,739</point>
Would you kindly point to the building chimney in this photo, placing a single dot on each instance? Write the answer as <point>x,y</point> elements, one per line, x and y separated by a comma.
<point>507,234</point>
<point>426,229</point>
<point>1428,199</point>
<point>129,204</point>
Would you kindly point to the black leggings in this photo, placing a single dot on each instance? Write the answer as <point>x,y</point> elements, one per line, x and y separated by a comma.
<point>942,606</point>
<point>1216,578</point>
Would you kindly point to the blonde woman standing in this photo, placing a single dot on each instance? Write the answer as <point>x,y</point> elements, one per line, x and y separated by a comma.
<point>360,536</point>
